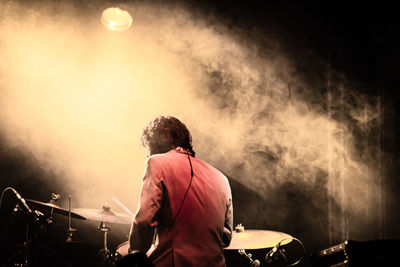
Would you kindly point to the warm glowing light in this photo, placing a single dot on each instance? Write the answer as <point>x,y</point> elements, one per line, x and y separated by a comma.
<point>116,19</point>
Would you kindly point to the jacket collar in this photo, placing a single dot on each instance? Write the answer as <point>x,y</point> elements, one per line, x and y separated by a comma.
<point>181,150</point>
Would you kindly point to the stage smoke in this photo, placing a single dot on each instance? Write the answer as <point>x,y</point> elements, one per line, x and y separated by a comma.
<point>77,97</point>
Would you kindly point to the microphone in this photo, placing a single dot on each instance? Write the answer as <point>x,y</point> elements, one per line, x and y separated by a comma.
<point>22,200</point>
<point>270,255</point>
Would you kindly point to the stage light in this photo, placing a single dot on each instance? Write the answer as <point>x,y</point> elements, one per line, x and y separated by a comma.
<point>116,19</point>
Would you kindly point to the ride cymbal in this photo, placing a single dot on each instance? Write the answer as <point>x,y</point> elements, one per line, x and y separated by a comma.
<point>257,239</point>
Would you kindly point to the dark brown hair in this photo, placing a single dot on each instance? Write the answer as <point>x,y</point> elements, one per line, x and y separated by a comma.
<point>165,133</point>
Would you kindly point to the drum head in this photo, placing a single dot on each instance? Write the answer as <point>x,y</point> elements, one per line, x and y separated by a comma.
<point>123,249</point>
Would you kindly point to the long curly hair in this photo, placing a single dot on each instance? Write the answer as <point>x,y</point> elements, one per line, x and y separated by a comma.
<point>165,133</point>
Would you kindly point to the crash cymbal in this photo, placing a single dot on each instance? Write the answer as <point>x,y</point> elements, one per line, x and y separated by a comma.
<point>104,215</point>
<point>56,209</point>
<point>257,239</point>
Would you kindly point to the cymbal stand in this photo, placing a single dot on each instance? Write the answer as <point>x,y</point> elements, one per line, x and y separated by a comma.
<point>105,252</point>
<point>70,230</point>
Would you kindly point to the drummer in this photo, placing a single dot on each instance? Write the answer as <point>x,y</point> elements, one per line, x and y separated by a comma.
<point>185,209</point>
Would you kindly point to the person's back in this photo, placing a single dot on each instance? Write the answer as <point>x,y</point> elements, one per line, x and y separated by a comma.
<point>194,236</point>
<point>186,200</point>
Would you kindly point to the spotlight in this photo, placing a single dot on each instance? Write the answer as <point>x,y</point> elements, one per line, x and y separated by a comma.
<point>116,19</point>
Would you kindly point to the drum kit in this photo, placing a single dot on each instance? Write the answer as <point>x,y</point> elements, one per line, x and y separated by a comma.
<point>247,248</point>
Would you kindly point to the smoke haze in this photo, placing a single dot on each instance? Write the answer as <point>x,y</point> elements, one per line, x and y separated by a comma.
<point>78,96</point>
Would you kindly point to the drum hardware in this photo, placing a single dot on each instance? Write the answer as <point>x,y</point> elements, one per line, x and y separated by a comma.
<point>105,215</point>
<point>277,251</point>
<point>239,228</point>
<point>38,222</point>
<point>24,249</point>
<point>250,247</point>
<point>70,231</point>
<point>253,263</point>
<point>105,252</point>
<point>274,254</point>
<point>54,198</point>
<point>104,229</point>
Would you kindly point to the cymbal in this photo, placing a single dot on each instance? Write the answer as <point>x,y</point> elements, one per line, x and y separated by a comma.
<point>104,215</point>
<point>56,209</point>
<point>257,239</point>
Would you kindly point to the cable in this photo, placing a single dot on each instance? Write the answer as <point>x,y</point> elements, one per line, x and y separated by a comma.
<point>187,190</point>
<point>5,232</point>
<point>2,194</point>
<point>304,251</point>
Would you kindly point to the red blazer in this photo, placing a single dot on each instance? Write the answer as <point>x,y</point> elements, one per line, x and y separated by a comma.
<point>196,236</point>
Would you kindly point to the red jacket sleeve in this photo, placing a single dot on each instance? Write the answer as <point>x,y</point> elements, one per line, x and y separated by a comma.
<point>228,224</point>
<point>151,195</point>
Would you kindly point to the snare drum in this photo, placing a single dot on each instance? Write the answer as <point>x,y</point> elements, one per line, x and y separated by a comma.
<point>123,249</point>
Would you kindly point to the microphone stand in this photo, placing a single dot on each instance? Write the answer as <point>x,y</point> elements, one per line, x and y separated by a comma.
<point>24,248</point>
